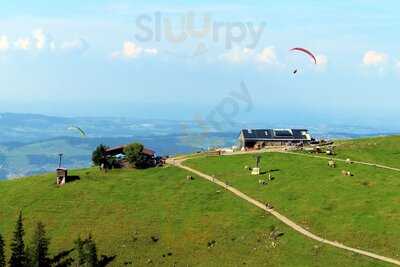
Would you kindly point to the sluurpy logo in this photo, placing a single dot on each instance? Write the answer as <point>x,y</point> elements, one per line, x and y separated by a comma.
<point>223,116</point>
<point>198,30</point>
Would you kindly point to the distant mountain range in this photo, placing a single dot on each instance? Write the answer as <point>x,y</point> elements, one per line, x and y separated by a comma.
<point>30,144</point>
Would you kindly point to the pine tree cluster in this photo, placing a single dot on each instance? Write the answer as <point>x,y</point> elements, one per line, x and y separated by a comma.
<point>36,252</point>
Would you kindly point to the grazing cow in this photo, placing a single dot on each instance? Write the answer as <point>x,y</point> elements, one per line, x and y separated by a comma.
<point>346,173</point>
<point>332,164</point>
<point>269,206</point>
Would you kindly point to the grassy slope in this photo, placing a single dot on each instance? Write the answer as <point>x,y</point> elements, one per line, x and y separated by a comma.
<point>126,205</point>
<point>383,150</point>
<point>361,211</point>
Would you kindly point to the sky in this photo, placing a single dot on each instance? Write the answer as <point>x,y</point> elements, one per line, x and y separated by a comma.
<point>192,59</point>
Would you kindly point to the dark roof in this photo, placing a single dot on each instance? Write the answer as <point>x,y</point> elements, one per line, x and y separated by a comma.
<point>275,134</point>
<point>120,150</point>
<point>148,152</point>
<point>115,150</point>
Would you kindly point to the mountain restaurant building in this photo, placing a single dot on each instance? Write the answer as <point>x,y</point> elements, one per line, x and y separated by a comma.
<point>259,138</point>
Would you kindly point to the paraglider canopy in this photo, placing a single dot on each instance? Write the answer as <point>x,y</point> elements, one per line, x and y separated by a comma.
<point>303,50</point>
<point>307,52</point>
<point>75,128</point>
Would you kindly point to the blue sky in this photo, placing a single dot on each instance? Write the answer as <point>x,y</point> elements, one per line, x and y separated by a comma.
<point>88,54</point>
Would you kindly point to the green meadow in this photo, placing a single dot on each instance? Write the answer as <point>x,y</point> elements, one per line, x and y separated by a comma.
<point>195,222</point>
<point>382,150</point>
<point>362,211</point>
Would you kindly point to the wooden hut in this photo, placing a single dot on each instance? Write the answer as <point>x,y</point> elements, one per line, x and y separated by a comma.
<point>62,175</point>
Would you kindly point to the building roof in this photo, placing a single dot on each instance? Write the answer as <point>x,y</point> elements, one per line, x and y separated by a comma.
<point>275,134</point>
<point>148,152</point>
<point>113,151</point>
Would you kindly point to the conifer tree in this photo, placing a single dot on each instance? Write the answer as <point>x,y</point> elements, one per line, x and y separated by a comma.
<point>39,247</point>
<point>18,258</point>
<point>80,250</point>
<point>86,252</point>
<point>91,252</point>
<point>2,255</point>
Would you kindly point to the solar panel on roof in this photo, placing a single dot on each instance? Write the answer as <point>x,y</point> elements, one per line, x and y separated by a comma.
<point>283,133</point>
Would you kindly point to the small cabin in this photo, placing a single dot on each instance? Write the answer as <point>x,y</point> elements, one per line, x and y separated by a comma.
<point>62,175</point>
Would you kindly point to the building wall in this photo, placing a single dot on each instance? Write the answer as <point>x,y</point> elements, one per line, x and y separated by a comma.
<point>260,144</point>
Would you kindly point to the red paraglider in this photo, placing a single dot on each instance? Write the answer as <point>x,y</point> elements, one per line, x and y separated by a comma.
<point>305,51</point>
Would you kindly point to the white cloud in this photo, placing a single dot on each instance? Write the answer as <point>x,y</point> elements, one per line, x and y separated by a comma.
<point>152,51</point>
<point>23,43</point>
<point>40,38</point>
<point>4,43</point>
<point>322,60</point>
<point>267,56</point>
<point>397,66</point>
<point>373,58</point>
<point>131,50</point>
<point>40,41</point>
<point>238,55</point>
<point>248,51</point>
<point>52,46</point>
<point>74,46</point>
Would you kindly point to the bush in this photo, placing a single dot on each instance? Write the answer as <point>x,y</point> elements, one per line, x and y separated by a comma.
<point>112,162</point>
<point>135,157</point>
<point>99,155</point>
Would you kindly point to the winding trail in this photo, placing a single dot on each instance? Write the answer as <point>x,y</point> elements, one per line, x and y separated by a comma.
<point>179,163</point>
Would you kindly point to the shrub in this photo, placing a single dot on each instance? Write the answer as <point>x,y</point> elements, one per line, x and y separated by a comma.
<point>99,155</point>
<point>134,155</point>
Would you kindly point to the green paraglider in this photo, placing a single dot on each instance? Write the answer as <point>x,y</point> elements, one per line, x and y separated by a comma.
<point>75,128</point>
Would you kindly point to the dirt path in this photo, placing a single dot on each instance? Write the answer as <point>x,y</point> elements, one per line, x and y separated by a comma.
<point>285,220</point>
